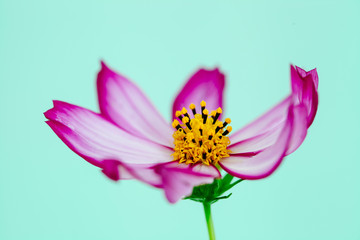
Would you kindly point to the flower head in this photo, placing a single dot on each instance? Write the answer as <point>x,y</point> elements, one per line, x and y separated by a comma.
<point>125,143</point>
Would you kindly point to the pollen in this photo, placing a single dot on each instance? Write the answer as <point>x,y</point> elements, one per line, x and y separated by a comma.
<point>201,138</point>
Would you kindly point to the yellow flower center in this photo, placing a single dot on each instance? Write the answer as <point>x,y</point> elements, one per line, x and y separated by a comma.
<point>201,139</point>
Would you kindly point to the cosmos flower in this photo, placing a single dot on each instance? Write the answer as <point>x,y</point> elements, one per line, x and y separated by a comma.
<point>129,139</point>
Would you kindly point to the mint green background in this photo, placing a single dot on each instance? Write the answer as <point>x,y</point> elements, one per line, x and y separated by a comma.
<point>51,50</point>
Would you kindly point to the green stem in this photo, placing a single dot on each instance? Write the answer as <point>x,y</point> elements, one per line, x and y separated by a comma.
<point>209,222</point>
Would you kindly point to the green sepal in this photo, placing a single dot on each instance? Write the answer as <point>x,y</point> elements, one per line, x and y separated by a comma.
<point>213,192</point>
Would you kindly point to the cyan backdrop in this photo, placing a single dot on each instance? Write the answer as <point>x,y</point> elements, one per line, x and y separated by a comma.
<point>51,50</point>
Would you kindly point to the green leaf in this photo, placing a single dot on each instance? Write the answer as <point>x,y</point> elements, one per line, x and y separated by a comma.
<point>213,192</point>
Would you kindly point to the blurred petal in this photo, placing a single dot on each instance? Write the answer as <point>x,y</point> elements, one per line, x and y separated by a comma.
<point>270,121</point>
<point>207,85</point>
<point>178,180</point>
<point>264,131</point>
<point>264,163</point>
<point>124,103</point>
<point>112,170</point>
<point>96,139</point>
<point>258,142</point>
<point>304,86</point>
<point>142,172</point>
<point>312,74</point>
<point>265,140</point>
<point>206,169</point>
<point>299,129</point>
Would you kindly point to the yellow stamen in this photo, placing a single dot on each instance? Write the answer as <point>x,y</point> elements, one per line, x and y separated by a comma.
<point>217,114</point>
<point>175,123</point>
<point>177,113</point>
<point>193,108</point>
<point>227,131</point>
<point>220,126</point>
<point>183,111</point>
<point>227,121</point>
<point>201,139</point>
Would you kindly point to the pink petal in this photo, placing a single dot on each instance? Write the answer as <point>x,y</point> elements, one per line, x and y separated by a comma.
<point>271,120</point>
<point>258,142</point>
<point>312,73</point>
<point>304,86</point>
<point>179,179</point>
<point>115,170</point>
<point>206,169</point>
<point>262,141</point>
<point>142,172</point>
<point>264,131</point>
<point>299,130</point>
<point>112,170</point>
<point>96,139</point>
<point>264,163</point>
<point>207,85</point>
<point>124,103</point>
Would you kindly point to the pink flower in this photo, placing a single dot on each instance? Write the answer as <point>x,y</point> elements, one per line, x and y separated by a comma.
<point>129,139</point>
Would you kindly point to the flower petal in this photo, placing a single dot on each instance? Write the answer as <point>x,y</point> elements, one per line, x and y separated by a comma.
<point>312,73</point>
<point>125,104</point>
<point>96,139</point>
<point>258,142</point>
<point>265,140</point>
<point>115,170</point>
<point>304,86</point>
<point>112,170</point>
<point>207,85</point>
<point>207,169</point>
<point>178,180</point>
<point>299,130</point>
<point>264,163</point>
<point>264,131</point>
<point>142,172</point>
<point>269,121</point>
